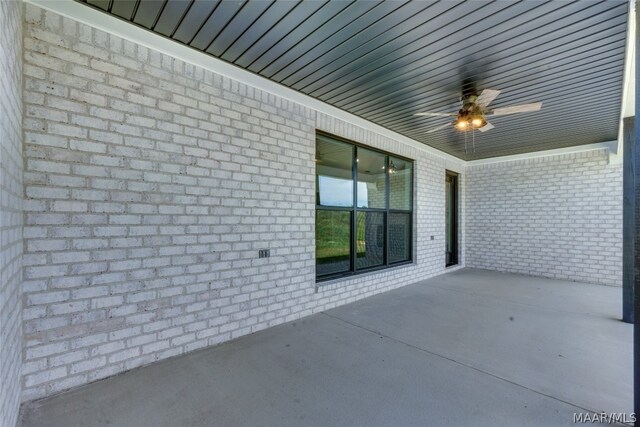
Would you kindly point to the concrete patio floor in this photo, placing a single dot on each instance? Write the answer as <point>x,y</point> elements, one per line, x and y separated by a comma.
<point>471,347</point>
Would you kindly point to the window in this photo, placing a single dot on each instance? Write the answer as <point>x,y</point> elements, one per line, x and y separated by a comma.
<point>363,208</point>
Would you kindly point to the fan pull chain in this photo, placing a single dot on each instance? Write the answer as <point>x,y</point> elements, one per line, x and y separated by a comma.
<point>473,136</point>
<point>465,143</point>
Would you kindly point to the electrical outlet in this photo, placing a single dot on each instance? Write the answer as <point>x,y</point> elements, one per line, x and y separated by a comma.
<point>432,237</point>
<point>264,253</point>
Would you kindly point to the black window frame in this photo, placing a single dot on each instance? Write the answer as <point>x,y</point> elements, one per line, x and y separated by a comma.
<point>387,211</point>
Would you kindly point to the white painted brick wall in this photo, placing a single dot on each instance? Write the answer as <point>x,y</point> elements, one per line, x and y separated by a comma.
<point>557,216</point>
<point>10,209</point>
<point>150,186</point>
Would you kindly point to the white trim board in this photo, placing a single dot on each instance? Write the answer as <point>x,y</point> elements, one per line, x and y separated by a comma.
<point>628,102</point>
<point>102,21</point>
<point>628,92</point>
<point>609,146</point>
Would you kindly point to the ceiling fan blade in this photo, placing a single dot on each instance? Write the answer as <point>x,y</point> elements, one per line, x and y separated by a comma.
<point>524,108</point>
<point>486,127</point>
<point>486,97</point>
<point>439,128</point>
<point>436,114</point>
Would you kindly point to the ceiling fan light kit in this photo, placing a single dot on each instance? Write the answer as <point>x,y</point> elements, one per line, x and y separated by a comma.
<point>470,116</point>
<point>469,122</point>
<point>474,111</point>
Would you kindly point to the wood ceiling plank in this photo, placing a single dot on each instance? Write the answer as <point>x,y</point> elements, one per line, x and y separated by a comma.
<point>344,36</point>
<point>240,24</point>
<point>100,4</point>
<point>197,17</point>
<point>378,78</point>
<point>515,87</point>
<point>281,29</point>
<point>338,22</point>
<point>305,28</point>
<point>602,86</point>
<point>258,30</point>
<point>171,17</point>
<point>434,25</point>
<point>147,12</point>
<point>123,8</point>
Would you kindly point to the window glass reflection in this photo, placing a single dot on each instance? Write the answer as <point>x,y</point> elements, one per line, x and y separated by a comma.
<point>399,237</point>
<point>364,208</point>
<point>372,179</point>
<point>370,239</point>
<point>399,184</point>
<point>333,242</point>
<point>334,162</point>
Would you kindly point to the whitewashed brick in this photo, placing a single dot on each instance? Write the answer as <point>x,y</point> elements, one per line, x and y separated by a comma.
<point>173,178</point>
<point>45,376</point>
<point>558,216</point>
<point>11,204</point>
<point>47,350</point>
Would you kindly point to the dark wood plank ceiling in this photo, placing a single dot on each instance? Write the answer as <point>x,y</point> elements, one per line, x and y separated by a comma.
<point>387,60</point>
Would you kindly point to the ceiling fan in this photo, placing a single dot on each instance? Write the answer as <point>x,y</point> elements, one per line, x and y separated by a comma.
<point>474,111</point>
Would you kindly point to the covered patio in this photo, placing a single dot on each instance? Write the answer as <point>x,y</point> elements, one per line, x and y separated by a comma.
<point>473,347</point>
<point>324,213</point>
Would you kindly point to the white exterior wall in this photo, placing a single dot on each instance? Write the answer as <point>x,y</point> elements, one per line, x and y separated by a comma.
<point>558,216</point>
<point>151,185</point>
<point>11,166</point>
